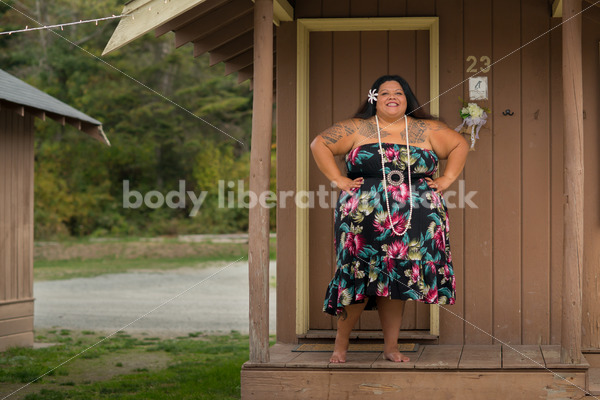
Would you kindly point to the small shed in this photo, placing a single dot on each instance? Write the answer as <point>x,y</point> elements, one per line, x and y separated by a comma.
<point>527,261</point>
<point>20,103</point>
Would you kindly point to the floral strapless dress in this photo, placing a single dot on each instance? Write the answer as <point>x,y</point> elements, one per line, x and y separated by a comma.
<point>371,259</point>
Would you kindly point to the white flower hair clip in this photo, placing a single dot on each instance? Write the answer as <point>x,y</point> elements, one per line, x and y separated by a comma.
<point>373,95</point>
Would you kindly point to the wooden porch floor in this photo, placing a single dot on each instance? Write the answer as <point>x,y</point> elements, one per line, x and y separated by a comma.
<point>429,357</point>
<point>464,372</point>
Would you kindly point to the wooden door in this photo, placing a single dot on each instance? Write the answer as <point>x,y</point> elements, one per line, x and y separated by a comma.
<point>343,66</point>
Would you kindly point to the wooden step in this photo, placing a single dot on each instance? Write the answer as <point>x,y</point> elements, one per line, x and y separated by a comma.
<point>322,335</point>
<point>491,372</point>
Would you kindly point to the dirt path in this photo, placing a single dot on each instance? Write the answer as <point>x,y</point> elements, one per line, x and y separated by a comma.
<point>209,299</point>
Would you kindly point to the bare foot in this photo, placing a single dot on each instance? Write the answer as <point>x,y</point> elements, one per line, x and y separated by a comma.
<point>342,342</point>
<point>395,356</point>
<point>338,357</point>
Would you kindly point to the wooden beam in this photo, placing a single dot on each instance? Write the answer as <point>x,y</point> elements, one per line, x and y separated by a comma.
<point>17,108</point>
<point>573,183</point>
<point>245,74</point>
<point>217,19</point>
<point>41,114</point>
<point>184,19</point>
<point>74,122</point>
<point>232,48</point>
<point>260,167</point>
<point>282,11</point>
<point>96,132</point>
<point>237,63</point>
<point>93,130</point>
<point>58,118</point>
<point>224,35</point>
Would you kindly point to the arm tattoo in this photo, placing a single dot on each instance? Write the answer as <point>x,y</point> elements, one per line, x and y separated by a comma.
<point>416,131</point>
<point>335,133</point>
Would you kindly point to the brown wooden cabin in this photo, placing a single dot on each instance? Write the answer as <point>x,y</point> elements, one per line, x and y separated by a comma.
<point>527,259</point>
<point>19,104</point>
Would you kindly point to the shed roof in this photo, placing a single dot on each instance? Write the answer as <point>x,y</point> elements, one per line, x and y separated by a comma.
<point>16,94</point>
<point>223,28</point>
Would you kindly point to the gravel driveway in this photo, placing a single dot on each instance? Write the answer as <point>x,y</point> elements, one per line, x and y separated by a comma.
<point>110,302</point>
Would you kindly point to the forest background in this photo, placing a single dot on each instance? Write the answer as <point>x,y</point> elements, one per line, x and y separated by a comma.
<point>155,144</point>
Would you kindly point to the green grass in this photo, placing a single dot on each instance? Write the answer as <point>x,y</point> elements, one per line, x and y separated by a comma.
<point>198,366</point>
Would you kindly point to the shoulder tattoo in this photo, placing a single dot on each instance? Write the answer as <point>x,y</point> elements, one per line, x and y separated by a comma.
<point>336,132</point>
<point>368,129</point>
<point>416,131</point>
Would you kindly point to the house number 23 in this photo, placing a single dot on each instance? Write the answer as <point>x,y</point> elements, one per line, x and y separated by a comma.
<point>485,60</point>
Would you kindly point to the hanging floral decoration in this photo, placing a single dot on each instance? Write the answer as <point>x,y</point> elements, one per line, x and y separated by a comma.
<point>474,117</point>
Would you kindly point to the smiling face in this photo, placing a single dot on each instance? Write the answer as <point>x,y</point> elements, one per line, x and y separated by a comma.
<point>391,101</point>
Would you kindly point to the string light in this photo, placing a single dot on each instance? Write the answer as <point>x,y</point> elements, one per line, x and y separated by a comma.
<point>28,29</point>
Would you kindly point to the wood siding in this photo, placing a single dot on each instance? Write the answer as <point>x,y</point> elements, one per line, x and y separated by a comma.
<point>591,227</point>
<point>507,252</point>
<point>16,229</point>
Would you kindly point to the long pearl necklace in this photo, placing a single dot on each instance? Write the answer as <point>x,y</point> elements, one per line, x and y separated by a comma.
<point>387,202</point>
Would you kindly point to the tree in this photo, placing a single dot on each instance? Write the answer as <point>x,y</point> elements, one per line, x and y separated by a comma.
<point>155,142</point>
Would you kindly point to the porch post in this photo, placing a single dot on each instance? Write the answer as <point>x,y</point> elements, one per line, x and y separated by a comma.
<point>260,167</point>
<point>573,183</point>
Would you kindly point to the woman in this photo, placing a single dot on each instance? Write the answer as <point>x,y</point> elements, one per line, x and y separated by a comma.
<point>389,249</point>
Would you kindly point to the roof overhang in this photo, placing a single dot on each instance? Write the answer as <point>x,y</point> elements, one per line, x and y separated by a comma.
<point>222,28</point>
<point>142,16</point>
<point>22,98</point>
<point>91,129</point>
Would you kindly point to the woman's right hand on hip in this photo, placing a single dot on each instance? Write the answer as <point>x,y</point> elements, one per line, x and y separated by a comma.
<point>347,184</point>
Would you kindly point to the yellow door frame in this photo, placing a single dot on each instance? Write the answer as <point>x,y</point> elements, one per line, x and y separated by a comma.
<point>304,27</point>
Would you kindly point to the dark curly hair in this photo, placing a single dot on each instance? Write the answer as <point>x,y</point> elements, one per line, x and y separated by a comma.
<point>413,108</point>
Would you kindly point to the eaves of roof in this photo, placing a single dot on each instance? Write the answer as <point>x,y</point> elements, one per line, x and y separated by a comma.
<point>223,28</point>
<point>21,97</point>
